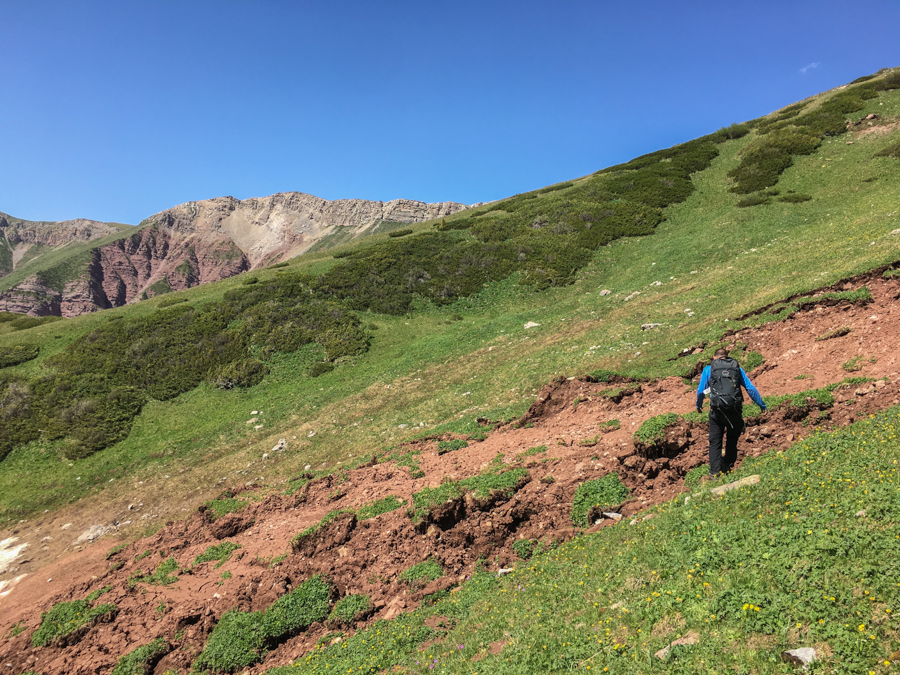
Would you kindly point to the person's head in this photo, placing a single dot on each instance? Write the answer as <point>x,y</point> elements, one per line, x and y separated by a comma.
<point>720,354</point>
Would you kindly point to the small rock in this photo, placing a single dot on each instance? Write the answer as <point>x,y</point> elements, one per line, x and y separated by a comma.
<point>799,657</point>
<point>743,482</point>
<point>265,455</point>
<point>93,532</point>
<point>255,412</point>
<point>895,232</point>
<point>613,516</point>
<point>307,467</point>
<point>618,604</point>
<point>879,384</point>
<point>311,434</point>
<point>131,507</point>
<point>861,514</point>
<point>656,283</point>
<point>279,445</point>
<point>66,526</point>
<point>505,570</point>
<point>650,326</point>
<point>343,552</point>
<point>258,426</point>
<point>632,296</point>
<point>606,291</point>
<point>253,420</point>
<point>691,638</point>
<point>531,324</point>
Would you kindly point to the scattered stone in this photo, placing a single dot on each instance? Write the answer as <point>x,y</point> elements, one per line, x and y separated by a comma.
<point>632,296</point>
<point>255,412</point>
<point>258,426</point>
<point>613,516</point>
<point>66,526</point>
<point>691,638</point>
<point>743,482</point>
<point>131,507</point>
<point>861,514</point>
<point>311,434</point>
<point>307,467</point>
<point>93,532</point>
<point>505,570</point>
<point>650,326</point>
<point>895,232</point>
<point>253,420</point>
<point>265,455</point>
<point>531,324</point>
<point>606,291</point>
<point>280,445</point>
<point>799,657</point>
<point>616,605</point>
<point>656,283</point>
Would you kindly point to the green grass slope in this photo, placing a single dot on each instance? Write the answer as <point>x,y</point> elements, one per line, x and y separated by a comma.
<point>426,331</point>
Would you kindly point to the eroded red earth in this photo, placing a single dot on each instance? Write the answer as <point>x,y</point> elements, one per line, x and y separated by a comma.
<point>368,556</point>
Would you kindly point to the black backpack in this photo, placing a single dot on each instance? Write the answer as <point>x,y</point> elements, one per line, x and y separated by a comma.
<point>725,384</point>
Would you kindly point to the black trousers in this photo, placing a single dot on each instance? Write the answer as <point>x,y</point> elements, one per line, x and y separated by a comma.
<point>730,424</point>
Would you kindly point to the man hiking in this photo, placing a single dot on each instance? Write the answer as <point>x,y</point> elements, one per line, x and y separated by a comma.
<point>722,380</point>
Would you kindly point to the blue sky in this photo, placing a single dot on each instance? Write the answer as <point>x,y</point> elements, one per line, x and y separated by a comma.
<point>117,110</point>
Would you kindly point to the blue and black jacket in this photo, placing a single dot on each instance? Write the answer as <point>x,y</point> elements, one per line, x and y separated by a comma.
<point>745,382</point>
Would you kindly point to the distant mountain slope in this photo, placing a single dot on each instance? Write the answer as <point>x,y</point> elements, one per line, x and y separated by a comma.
<point>185,246</point>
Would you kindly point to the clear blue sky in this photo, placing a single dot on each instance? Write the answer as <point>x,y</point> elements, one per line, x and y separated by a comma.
<point>117,110</point>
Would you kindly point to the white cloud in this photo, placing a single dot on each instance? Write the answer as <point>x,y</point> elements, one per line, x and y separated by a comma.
<point>814,64</point>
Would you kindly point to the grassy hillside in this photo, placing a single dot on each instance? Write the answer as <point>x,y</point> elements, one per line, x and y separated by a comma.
<point>443,311</point>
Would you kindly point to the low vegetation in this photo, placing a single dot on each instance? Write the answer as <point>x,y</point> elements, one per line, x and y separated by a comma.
<point>492,483</point>
<point>67,617</point>
<point>602,494</point>
<point>140,661</point>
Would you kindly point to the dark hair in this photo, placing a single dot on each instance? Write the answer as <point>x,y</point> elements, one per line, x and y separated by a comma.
<point>721,352</point>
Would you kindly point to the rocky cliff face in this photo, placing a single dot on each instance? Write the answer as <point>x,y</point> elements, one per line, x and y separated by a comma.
<point>192,244</point>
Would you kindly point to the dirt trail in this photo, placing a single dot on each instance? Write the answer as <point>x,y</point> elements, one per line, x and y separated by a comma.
<point>367,556</point>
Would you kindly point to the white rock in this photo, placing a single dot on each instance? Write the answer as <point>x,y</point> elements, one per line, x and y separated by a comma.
<point>255,412</point>
<point>799,657</point>
<point>656,283</point>
<point>605,291</point>
<point>613,516</point>
<point>93,532</point>
<point>531,324</point>
<point>265,455</point>
<point>66,526</point>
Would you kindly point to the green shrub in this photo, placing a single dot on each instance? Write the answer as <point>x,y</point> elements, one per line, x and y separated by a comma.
<point>219,552</point>
<point>66,617</point>
<point>320,368</point>
<point>753,200</point>
<point>16,354</point>
<point>249,281</point>
<point>795,198</point>
<point>893,150</point>
<point>491,483</point>
<point>348,608</point>
<point>141,660</point>
<point>603,493</point>
<point>449,446</point>
<point>278,265</point>
<point>94,595</point>
<point>654,429</point>
<point>536,450</point>
<point>423,572</point>
<point>611,425</point>
<point>399,233</point>
<point>241,639</point>
<point>243,374</point>
<point>170,301</point>
<point>836,333</point>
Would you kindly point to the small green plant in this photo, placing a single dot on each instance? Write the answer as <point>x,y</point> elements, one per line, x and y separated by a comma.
<point>610,425</point>
<point>67,617</point>
<point>589,442</point>
<point>890,274</point>
<point>94,595</point>
<point>141,556</point>
<point>548,479</point>
<point>400,233</point>
<point>16,354</point>
<point>526,548</point>
<point>226,575</point>
<point>893,150</point>
<point>349,608</point>
<point>423,572</point>
<point>219,552</point>
<point>115,549</point>
<point>803,376</point>
<point>141,660</point>
<point>161,609</point>
<point>853,365</point>
<point>449,446</point>
<point>16,629</point>
<point>836,333</point>
<point>320,368</point>
<point>224,504</point>
<point>162,575</point>
<point>795,198</point>
<point>603,493</point>
<point>576,402</point>
<point>753,200</point>
<point>536,450</point>
<point>497,483</point>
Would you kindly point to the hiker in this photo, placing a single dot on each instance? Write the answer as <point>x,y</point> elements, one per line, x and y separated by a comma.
<point>722,380</point>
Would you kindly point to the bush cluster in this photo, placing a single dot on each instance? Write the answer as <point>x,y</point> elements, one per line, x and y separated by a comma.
<point>423,572</point>
<point>241,639</point>
<point>140,661</point>
<point>101,381</point>
<point>16,322</point>
<point>348,608</point>
<point>67,617</point>
<point>16,354</point>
